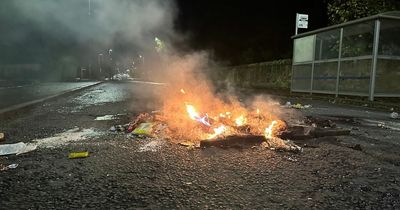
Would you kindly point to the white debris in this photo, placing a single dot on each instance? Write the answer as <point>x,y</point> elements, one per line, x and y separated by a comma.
<point>107,117</point>
<point>12,166</point>
<point>17,148</point>
<point>394,115</point>
<point>65,138</point>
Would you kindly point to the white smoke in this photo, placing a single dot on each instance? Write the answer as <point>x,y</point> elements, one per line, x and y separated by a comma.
<point>102,22</point>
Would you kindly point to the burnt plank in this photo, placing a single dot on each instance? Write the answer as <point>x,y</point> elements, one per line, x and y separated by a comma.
<point>308,132</point>
<point>233,141</point>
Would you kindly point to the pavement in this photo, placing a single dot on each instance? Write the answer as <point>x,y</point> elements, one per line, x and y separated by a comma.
<point>128,173</point>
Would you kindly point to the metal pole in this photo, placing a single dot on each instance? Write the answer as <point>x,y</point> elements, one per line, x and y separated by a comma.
<point>339,62</point>
<point>297,20</point>
<point>374,59</point>
<point>293,62</point>
<point>89,7</point>
<point>313,64</point>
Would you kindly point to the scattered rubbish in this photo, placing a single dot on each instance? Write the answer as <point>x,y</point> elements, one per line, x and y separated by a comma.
<point>297,106</point>
<point>189,145</point>
<point>143,129</point>
<point>300,106</point>
<point>17,148</point>
<point>108,117</point>
<point>12,166</point>
<point>120,128</point>
<point>130,128</point>
<point>394,115</point>
<point>113,129</point>
<point>186,143</point>
<point>74,155</point>
<point>2,137</point>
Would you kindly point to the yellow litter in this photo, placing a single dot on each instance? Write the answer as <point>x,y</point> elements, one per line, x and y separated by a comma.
<point>74,155</point>
<point>143,129</point>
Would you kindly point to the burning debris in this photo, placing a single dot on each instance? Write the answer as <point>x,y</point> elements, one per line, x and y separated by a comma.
<point>193,114</point>
<point>224,124</point>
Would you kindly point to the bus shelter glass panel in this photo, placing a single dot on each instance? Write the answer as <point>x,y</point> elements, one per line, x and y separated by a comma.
<point>389,38</point>
<point>327,45</point>
<point>303,49</point>
<point>354,77</point>
<point>324,77</point>
<point>358,39</point>
<point>387,80</point>
<point>301,77</point>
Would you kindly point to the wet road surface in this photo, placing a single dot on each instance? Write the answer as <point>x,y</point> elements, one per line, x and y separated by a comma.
<point>124,173</point>
<point>10,96</point>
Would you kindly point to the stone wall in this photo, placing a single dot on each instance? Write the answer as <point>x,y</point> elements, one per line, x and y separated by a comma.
<point>274,74</point>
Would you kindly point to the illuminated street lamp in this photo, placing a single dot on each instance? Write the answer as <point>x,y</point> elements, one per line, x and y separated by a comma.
<point>142,57</point>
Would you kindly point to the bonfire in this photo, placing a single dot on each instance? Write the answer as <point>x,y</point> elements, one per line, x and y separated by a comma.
<point>181,121</point>
<point>193,111</point>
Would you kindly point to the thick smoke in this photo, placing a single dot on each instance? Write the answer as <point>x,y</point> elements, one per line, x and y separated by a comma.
<point>130,28</point>
<point>63,36</point>
<point>101,21</point>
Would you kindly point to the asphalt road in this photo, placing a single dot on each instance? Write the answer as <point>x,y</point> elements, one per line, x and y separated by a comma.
<point>129,173</point>
<point>10,96</point>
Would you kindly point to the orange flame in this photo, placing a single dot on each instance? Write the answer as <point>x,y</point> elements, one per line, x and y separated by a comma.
<point>268,131</point>
<point>217,131</point>
<point>192,112</point>
<point>241,120</point>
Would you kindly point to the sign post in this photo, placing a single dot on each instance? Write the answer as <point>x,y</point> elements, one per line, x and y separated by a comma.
<point>301,21</point>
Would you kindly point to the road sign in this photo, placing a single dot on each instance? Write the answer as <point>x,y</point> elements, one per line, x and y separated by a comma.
<point>302,21</point>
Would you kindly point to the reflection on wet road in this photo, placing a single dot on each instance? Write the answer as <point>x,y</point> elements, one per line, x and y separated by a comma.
<point>23,94</point>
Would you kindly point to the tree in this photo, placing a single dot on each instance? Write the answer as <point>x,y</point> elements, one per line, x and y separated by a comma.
<point>340,11</point>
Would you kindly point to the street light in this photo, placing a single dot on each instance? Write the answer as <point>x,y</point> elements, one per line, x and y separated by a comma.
<point>142,57</point>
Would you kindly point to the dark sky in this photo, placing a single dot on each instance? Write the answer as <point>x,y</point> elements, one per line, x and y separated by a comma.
<point>233,31</point>
<point>246,31</point>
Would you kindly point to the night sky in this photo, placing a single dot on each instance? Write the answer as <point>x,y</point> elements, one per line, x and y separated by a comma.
<point>234,32</point>
<point>246,31</point>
